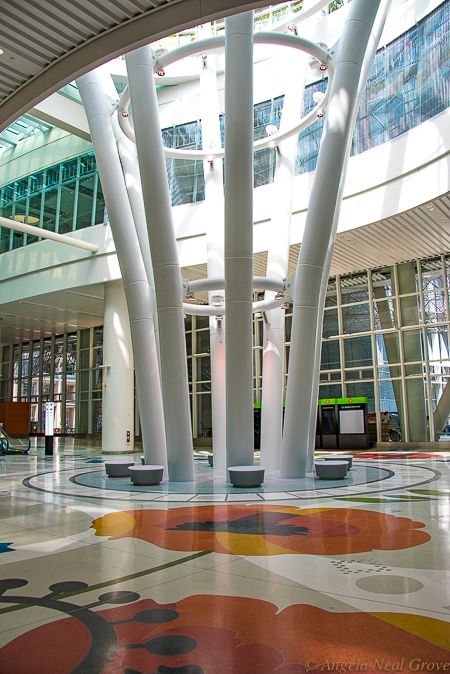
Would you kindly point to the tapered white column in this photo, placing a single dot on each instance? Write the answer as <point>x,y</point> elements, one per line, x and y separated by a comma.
<point>118,375</point>
<point>130,167</point>
<point>322,209</point>
<point>214,206</point>
<point>374,39</point>
<point>239,237</point>
<point>166,268</point>
<point>277,266</point>
<point>140,302</point>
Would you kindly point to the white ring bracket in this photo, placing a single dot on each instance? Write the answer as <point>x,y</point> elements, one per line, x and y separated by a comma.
<point>214,45</point>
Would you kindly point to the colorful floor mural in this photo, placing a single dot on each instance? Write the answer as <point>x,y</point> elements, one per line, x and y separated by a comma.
<point>119,584</point>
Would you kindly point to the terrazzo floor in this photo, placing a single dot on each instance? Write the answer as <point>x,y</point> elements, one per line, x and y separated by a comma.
<point>201,578</point>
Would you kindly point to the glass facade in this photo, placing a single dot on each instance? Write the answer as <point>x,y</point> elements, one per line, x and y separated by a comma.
<point>408,84</point>
<point>64,369</point>
<point>385,337</point>
<point>62,198</point>
<point>377,343</point>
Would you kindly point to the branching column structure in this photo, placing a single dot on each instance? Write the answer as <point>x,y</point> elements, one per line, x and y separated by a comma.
<point>214,205</point>
<point>239,237</point>
<point>322,209</point>
<point>137,290</point>
<point>166,268</point>
<point>277,267</point>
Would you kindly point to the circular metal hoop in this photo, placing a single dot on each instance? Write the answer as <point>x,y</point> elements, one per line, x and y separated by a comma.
<point>214,45</point>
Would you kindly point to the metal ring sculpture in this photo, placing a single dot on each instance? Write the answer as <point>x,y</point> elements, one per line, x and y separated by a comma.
<point>213,45</point>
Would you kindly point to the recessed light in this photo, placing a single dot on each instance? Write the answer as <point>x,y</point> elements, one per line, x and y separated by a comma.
<point>1,51</point>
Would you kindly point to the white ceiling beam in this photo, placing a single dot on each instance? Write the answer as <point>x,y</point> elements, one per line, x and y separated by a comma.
<point>63,113</point>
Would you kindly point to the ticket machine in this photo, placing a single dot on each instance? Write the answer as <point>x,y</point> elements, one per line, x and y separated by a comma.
<point>353,423</point>
<point>327,424</point>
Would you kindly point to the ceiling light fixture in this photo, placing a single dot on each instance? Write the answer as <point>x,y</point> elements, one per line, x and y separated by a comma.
<point>217,301</point>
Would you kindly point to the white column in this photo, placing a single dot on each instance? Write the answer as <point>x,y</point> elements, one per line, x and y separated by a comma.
<point>166,267</point>
<point>214,205</point>
<point>323,206</point>
<point>374,39</point>
<point>277,266</point>
<point>140,301</point>
<point>130,167</point>
<point>118,379</point>
<point>239,237</point>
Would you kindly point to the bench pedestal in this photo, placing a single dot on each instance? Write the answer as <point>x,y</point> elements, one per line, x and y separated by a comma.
<point>118,468</point>
<point>146,475</point>
<point>246,476</point>
<point>331,470</point>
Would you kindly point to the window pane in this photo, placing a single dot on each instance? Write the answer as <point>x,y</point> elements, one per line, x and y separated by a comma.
<point>388,350</point>
<point>437,343</point>
<point>330,391</point>
<point>385,314</point>
<point>354,289</point>
<point>410,310</point>
<point>67,207</point>
<point>331,359</point>
<point>412,345</point>
<point>204,417</point>
<point>358,352</point>
<point>330,323</point>
<point>202,341</point>
<point>188,336</point>
<point>432,274</point>
<point>356,318</point>
<point>50,206</point>
<point>100,206</point>
<point>203,369</point>
<point>85,196</point>
<point>383,283</point>
<point>434,306</point>
<point>331,298</point>
<point>364,390</point>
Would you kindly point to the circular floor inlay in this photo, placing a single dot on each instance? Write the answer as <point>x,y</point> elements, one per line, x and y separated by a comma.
<point>387,584</point>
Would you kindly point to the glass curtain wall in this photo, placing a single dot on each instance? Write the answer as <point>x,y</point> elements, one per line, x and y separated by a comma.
<point>61,199</point>
<point>408,84</point>
<point>64,369</point>
<point>385,337</point>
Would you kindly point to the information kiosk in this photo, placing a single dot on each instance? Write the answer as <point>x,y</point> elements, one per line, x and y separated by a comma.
<point>353,423</point>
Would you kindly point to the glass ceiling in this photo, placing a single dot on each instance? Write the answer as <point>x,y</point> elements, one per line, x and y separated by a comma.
<point>24,127</point>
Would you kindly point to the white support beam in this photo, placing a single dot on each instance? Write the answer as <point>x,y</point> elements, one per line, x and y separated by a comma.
<point>63,113</point>
<point>46,234</point>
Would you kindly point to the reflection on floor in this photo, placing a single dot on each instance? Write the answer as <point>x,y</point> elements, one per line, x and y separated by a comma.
<point>203,580</point>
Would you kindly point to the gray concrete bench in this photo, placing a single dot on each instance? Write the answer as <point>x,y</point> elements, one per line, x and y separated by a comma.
<point>146,475</point>
<point>211,459</point>
<point>118,468</point>
<point>331,470</point>
<point>340,457</point>
<point>246,476</point>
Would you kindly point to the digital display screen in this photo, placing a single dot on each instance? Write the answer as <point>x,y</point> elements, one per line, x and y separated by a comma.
<point>351,421</point>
